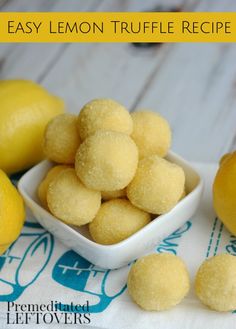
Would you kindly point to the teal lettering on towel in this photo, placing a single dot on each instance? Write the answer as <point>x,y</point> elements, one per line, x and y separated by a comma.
<point>171,243</point>
<point>231,246</point>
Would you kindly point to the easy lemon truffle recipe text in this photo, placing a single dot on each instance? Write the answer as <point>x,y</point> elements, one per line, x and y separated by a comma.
<point>119,27</point>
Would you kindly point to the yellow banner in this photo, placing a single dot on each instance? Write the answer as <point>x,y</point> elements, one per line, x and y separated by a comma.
<point>117,27</point>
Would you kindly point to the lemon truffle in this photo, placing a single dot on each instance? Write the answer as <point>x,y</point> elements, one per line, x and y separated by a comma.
<point>106,161</point>
<point>43,186</point>
<point>215,283</point>
<point>158,281</point>
<point>116,220</point>
<point>113,194</point>
<point>72,202</point>
<point>104,114</point>
<point>184,194</point>
<point>61,139</point>
<point>151,133</point>
<point>157,185</point>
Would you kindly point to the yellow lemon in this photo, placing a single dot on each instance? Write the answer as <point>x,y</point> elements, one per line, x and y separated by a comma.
<point>224,192</point>
<point>25,110</point>
<point>12,212</point>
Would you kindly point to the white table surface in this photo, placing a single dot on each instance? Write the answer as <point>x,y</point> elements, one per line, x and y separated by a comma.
<point>192,85</point>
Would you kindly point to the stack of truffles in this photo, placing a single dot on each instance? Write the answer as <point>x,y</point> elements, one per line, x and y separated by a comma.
<point>110,170</point>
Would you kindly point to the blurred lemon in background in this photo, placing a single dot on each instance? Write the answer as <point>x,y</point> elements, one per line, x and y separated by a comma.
<point>224,191</point>
<point>25,109</point>
<point>12,212</point>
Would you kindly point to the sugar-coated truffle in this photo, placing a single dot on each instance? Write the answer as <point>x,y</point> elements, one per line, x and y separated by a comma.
<point>116,220</point>
<point>113,194</point>
<point>104,114</point>
<point>106,161</point>
<point>72,202</point>
<point>158,281</point>
<point>215,283</point>
<point>61,139</point>
<point>151,133</point>
<point>184,194</point>
<point>43,186</point>
<point>157,185</point>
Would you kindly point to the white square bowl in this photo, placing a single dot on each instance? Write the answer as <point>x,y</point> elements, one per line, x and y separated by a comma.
<point>119,254</point>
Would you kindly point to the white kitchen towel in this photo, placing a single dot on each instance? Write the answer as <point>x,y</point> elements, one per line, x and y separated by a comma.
<point>38,269</point>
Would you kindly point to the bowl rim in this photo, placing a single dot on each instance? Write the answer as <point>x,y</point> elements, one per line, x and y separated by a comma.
<point>72,228</point>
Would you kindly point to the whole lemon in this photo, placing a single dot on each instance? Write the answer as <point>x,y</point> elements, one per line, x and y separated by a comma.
<point>12,212</point>
<point>224,192</point>
<point>25,109</point>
